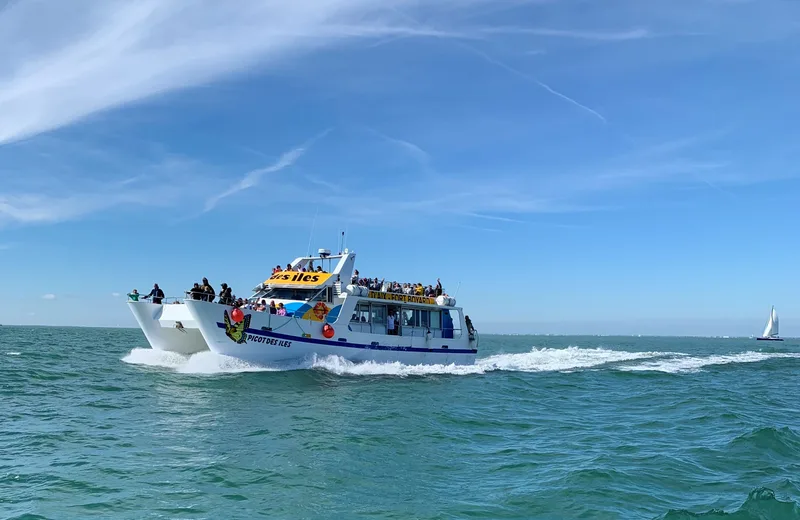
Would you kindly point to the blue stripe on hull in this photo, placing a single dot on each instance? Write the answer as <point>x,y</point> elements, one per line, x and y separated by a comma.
<point>354,345</point>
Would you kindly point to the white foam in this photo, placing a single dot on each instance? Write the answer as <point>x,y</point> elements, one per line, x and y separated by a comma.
<point>200,363</point>
<point>696,363</point>
<point>537,360</point>
<point>13,353</point>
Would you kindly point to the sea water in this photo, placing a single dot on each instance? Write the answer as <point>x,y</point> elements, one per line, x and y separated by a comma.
<point>94,424</point>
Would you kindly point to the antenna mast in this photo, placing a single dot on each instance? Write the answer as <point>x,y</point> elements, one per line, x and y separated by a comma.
<point>311,237</point>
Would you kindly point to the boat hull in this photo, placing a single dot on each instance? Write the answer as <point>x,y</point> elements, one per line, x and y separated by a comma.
<point>167,327</point>
<point>769,339</point>
<point>271,339</point>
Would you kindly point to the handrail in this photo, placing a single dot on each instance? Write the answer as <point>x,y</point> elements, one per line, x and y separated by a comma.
<point>164,300</point>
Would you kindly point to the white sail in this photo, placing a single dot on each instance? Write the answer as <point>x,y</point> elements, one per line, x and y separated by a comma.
<point>771,330</point>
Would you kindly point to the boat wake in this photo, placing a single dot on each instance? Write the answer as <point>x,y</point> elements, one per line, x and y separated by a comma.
<point>200,363</point>
<point>537,360</point>
<point>682,364</point>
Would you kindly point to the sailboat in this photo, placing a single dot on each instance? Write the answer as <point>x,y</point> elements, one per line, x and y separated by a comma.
<point>771,330</point>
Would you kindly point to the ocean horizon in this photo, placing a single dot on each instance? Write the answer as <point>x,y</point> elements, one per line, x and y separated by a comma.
<point>532,334</point>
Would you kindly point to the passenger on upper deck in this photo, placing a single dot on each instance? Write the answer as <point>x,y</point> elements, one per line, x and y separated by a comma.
<point>134,296</point>
<point>196,291</point>
<point>225,296</point>
<point>208,291</point>
<point>417,289</point>
<point>157,294</point>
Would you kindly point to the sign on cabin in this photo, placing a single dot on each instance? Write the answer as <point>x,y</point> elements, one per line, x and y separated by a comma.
<point>297,278</point>
<point>406,298</point>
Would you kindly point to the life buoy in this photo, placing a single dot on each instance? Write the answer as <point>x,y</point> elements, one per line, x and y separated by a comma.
<point>328,331</point>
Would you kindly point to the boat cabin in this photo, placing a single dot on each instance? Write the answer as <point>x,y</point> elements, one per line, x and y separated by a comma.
<point>370,311</point>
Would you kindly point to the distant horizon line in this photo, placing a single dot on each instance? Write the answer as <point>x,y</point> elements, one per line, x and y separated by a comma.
<point>585,335</point>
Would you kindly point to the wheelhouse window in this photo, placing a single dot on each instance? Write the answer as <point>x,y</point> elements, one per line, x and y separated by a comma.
<point>290,293</point>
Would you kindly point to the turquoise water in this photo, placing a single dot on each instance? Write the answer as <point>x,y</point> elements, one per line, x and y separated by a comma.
<point>96,426</point>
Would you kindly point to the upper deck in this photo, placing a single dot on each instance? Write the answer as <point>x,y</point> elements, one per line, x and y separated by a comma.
<point>332,278</point>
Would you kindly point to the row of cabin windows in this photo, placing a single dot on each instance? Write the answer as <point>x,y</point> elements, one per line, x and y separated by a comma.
<point>366,313</point>
<point>409,322</point>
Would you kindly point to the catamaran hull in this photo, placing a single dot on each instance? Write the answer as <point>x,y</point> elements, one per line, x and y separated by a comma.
<point>271,339</point>
<point>170,328</point>
<point>769,339</point>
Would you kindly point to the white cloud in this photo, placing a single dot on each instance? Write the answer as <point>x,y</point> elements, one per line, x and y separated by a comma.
<point>633,34</point>
<point>116,52</point>
<point>252,178</point>
<point>115,294</point>
<point>410,148</point>
<point>49,296</point>
<point>34,195</point>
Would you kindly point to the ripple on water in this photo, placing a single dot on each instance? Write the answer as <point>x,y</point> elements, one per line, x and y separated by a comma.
<point>540,427</point>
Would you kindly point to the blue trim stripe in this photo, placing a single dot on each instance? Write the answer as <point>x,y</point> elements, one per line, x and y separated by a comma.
<point>275,335</point>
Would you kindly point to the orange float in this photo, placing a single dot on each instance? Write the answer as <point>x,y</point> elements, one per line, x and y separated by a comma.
<point>328,331</point>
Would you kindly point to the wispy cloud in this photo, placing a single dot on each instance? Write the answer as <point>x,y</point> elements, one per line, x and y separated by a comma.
<point>252,178</point>
<point>532,79</point>
<point>35,194</point>
<point>632,34</point>
<point>410,148</point>
<point>115,294</point>
<point>7,246</point>
<point>115,52</point>
<point>49,296</point>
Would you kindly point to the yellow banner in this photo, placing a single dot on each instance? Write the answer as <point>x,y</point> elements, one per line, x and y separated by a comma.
<point>405,298</point>
<point>297,278</point>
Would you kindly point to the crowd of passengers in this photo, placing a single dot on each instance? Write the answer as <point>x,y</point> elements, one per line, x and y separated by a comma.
<point>319,269</point>
<point>416,289</point>
<point>205,292</point>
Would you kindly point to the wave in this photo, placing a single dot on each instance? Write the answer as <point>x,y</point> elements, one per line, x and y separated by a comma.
<point>780,441</point>
<point>761,504</point>
<point>685,363</point>
<point>537,360</point>
<point>200,363</point>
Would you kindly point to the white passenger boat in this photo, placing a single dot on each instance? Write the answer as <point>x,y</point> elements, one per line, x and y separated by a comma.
<point>327,316</point>
<point>168,326</point>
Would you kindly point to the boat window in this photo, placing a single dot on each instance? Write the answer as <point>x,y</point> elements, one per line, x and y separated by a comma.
<point>417,317</point>
<point>424,318</point>
<point>451,323</point>
<point>407,317</point>
<point>378,313</point>
<point>436,319</point>
<point>361,313</point>
<point>288,293</point>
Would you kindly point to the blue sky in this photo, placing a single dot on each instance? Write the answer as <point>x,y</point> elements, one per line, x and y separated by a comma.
<point>627,165</point>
